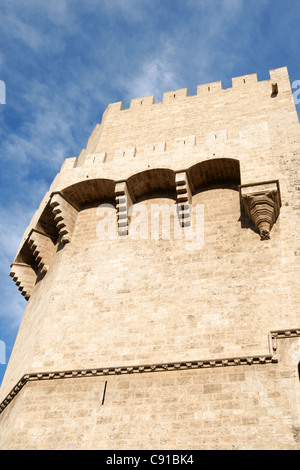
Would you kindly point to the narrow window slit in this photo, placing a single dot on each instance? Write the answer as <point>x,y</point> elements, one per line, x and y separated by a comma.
<point>104,392</point>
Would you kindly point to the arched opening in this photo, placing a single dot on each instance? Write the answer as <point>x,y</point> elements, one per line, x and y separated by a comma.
<point>152,181</point>
<point>90,192</point>
<point>217,171</point>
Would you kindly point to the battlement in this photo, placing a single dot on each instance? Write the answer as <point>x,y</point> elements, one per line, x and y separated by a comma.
<point>213,107</point>
<point>244,83</point>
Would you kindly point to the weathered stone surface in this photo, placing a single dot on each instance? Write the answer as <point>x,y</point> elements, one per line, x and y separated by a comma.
<point>176,330</point>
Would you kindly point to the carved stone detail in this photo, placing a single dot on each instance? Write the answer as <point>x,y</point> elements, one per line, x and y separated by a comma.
<point>261,204</point>
<point>124,199</point>
<point>24,276</point>
<point>42,248</point>
<point>65,216</point>
<point>184,198</point>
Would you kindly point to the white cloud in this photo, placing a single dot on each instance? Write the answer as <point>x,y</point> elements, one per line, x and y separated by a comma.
<point>13,221</point>
<point>131,10</point>
<point>12,306</point>
<point>47,137</point>
<point>156,77</point>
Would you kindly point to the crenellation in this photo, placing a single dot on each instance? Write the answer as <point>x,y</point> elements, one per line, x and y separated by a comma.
<point>184,143</point>
<point>254,135</point>
<point>281,75</point>
<point>209,89</point>
<point>216,137</point>
<point>114,107</point>
<point>171,96</point>
<point>244,81</point>
<point>155,148</point>
<point>139,104</point>
<point>127,152</point>
<point>93,159</point>
<point>117,131</point>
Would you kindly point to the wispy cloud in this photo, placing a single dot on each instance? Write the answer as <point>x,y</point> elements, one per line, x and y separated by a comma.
<point>13,221</point>
<point>156,74</point>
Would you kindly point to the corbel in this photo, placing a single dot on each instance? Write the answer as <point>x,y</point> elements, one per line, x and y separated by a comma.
<point>184,197</point>
<point>261,203</point>
<point>124,199</point>
<point>65,216</point>
<point>24,276</point>
<point>42,248</point>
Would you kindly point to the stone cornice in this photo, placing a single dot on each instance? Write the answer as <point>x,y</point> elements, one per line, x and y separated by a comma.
<point>269,358</point>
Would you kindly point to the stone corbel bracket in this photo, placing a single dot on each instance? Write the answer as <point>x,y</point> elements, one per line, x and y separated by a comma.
<point>65,216</point>
<point>261,203</point>
<point>124,200</point>
<point>24,277</point>
<point>42,248</point>
<point>184,197</point>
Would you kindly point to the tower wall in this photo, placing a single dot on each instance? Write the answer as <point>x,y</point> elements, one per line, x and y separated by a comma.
<point>177,333</point>
<point>246,407</point>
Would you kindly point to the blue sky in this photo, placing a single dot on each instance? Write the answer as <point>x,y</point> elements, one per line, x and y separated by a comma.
<point>64,61</point>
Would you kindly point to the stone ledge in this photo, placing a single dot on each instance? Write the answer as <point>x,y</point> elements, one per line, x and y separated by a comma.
<point>269,358</point>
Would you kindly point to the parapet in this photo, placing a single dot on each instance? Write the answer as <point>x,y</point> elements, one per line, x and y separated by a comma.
<point>240,83</point>
<point>179,114</point>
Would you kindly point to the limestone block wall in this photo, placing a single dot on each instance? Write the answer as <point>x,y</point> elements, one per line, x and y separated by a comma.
<point>220,408</point>
<point>100,307</point>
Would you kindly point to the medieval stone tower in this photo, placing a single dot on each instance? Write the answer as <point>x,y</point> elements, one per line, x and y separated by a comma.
<point>136,340</point>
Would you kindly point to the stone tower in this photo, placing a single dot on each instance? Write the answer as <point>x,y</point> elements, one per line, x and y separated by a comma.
<point>181,336</point>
